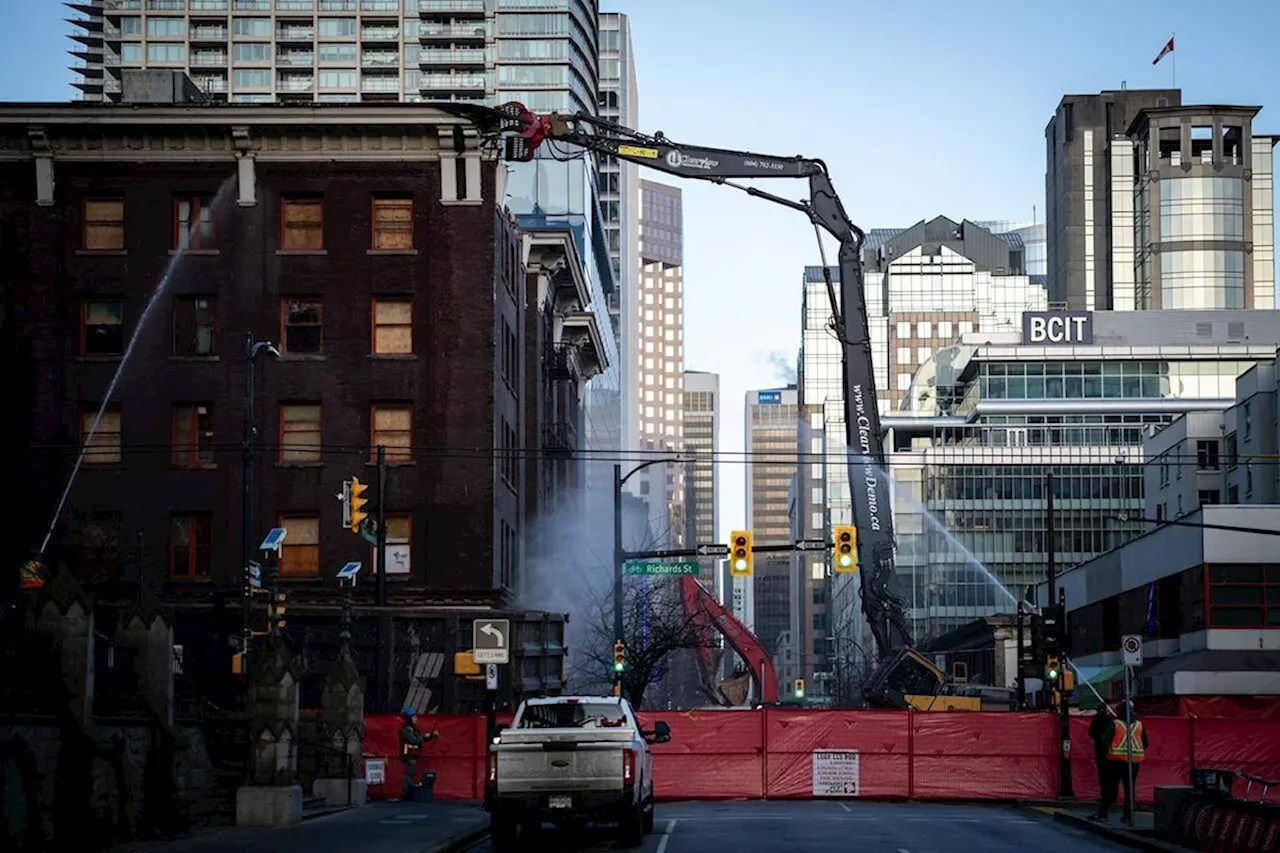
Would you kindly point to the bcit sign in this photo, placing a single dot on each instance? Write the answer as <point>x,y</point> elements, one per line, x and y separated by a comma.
<point>1057,328</point>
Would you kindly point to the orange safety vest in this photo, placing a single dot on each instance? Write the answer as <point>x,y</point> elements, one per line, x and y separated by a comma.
<point>1126,742</point>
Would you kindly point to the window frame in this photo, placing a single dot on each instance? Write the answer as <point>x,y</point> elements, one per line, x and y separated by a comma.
<point>193,547</point>
<point>393,452</point>
<point>392,201</point>
<point>285,203</point>
<point>319,432</point>
<point>193,453</point>
<point>408,541</point>
<point>174,349</point>
<point>87,412</point>
<point>285,324</point>
<point>374,325</point>
<point>113,552</point>
<point>199,203</point>
<point>86,223</point>
<point>84,327</point>
<point>282,520</point>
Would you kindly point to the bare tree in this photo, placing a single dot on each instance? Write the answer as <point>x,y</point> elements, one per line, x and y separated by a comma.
<point>655,626</point>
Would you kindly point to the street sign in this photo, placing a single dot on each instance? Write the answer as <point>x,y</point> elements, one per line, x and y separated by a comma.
<point>491,676</point>
<point>1131,648</point>
<point>811,545</point>
<point>651,568</point>
<point>713,550</point>
<point>274,540</point>
<point>490,640</point>
<point>369,531</point>
<point>255,575</point>
<point>348,572</point>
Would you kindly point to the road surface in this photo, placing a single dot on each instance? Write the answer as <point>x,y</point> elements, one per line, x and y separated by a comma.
<point>838,827</point>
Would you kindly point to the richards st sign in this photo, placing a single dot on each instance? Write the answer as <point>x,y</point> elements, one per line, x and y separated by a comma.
<point>1057,328</point>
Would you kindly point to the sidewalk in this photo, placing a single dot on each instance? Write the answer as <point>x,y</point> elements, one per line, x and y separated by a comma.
<point>1140,836</point>
<point>403,827</point>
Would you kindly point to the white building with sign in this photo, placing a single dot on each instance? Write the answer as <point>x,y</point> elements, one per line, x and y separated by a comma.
<point>992,421</point>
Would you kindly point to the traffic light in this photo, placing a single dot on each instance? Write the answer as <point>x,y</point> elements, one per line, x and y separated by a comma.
<point>740,559</point>
<point>275,613</point>
<point>1052,670</point>
<point>1052,621</point>
<point>619,656</point>
<point>799,688</point>
<point>357,514</point>
<point>846,550</point>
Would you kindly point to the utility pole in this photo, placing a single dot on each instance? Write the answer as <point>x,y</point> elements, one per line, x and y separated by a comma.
<point>1065,787</point>
<point>386,655</point>
<point>618,558</point>
<point>1049,555</point>
<point>1018,676</point>
<point>246,501</point>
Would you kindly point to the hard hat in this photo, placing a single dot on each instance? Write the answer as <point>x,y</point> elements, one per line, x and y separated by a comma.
<point>407,712</point>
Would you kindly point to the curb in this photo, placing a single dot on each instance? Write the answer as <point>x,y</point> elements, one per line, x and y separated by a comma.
<point>459,843</point>
<point>1122,836</point>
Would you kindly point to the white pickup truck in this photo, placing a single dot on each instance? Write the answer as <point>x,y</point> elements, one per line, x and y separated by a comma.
<point>568,760</point>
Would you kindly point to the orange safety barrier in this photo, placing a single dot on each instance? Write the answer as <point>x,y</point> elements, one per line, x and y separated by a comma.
<point>770,753</point>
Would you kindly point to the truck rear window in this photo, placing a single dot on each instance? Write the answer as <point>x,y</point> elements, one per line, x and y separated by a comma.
<point>562,716</point>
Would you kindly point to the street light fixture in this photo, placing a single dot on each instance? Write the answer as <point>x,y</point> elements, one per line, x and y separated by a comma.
<point>251,350</point>
<point>619,555</point>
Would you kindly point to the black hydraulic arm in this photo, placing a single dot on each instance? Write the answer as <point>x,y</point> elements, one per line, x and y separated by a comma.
<point>868,480</point>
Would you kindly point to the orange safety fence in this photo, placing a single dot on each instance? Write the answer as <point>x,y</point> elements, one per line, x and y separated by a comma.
<point>791,753</point>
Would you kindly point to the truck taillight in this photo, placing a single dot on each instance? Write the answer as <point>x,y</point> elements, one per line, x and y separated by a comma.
<point>493,768</point>
<point>628,766</point>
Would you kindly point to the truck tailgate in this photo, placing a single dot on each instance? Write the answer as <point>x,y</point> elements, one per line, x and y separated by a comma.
<point>541,760</point>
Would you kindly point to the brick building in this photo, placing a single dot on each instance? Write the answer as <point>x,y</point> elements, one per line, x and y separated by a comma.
<point>363,242</point>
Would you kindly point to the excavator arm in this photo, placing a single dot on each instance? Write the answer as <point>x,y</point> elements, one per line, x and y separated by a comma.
<point>702,607</point>
<point>525,132</point>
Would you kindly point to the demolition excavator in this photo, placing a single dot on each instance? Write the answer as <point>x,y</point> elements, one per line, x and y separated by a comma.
<point>903,677</point>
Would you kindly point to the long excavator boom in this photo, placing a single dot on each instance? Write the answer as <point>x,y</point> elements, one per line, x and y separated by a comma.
<point>706,612</point>
<point>525,132</point>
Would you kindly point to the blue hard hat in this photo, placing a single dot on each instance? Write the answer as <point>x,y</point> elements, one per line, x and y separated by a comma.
<point>407,712</point>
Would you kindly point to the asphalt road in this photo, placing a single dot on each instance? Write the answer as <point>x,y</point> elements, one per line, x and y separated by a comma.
<point>838,827</point>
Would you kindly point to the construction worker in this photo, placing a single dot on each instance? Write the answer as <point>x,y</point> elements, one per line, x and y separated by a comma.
<point>411,741</point>
<point>1098,727</point>
<point>1128,742</point>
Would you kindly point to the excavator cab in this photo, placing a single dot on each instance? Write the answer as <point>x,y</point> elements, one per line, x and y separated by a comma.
<point>907,679</point>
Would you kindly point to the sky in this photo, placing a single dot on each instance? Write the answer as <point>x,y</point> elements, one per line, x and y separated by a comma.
<point>919,107</point>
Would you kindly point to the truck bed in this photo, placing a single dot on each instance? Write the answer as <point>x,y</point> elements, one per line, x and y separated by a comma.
<point>576,760</point>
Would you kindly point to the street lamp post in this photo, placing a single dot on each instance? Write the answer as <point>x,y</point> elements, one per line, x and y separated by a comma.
<point>251,350</point>
<point>620,555</point>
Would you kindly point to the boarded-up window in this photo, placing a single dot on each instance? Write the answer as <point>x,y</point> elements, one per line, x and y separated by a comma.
<point>392,224</point>
<point>302,225</point>
<point>392,326</point>
<point>393,429</point>
<point>102,328</point>
<point>399,543</point>
<point>104,443</point>
<point>299,433</point>
<point>300,554</point>
<point>103,225</point>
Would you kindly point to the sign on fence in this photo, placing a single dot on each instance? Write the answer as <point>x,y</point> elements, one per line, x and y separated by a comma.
<point>835,773</point>
<point>375,771</point>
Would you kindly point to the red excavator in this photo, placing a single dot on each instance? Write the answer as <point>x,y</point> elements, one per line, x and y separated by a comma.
<point>707,614</point>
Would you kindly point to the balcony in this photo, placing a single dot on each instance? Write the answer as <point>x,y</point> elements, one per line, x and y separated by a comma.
<point>296,34</point>
<point>295,59</point>
<point>478,31</point>
<point>388,60</point>
<point>126,5</point>
<point>208,59</point>
<point>209,33</point>
<point>338,5</point>
<point>451,7</point>
<point>166,5</point>
<point>212,85</point>
<point>452,82</point>
<point>380,83</point>
<point>451,58</point>
<point>559,362</point>
<point>296,84</point>
<point>380,34</point>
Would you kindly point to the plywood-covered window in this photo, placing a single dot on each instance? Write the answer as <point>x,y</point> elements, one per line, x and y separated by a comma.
<point>300,433</point>
<point>392,224</point>
<point>392,427</point>
<point>300,554</point>
<point>392,325</point>
<point>103,225</point>
<point>104,444</point>
<point>301,225</point>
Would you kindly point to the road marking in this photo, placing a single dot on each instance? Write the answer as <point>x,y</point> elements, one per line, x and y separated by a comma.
<point>845,807</point>
<point>903,850</point>
<point>666,837</point>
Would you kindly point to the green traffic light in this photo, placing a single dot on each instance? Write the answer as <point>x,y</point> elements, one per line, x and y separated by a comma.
<point>846,560</point>
<point>740,565</point>
<point>617,667</point>
<point>1053,675</point>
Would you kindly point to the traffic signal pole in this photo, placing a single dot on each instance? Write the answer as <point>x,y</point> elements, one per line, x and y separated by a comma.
<point>1065,786</point>
<point>618,559</point>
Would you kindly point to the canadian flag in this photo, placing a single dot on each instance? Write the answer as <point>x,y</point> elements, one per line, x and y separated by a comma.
<point>1168,48</point>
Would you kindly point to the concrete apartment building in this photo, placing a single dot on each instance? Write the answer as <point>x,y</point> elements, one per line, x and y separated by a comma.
<point>770,425</point>
<point>1152,204</point>
<point>259,237</point>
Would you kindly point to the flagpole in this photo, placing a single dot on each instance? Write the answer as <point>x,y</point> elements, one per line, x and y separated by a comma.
<point>1173,82</point>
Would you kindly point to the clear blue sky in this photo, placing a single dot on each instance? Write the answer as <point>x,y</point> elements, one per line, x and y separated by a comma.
<point>920,108</point>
